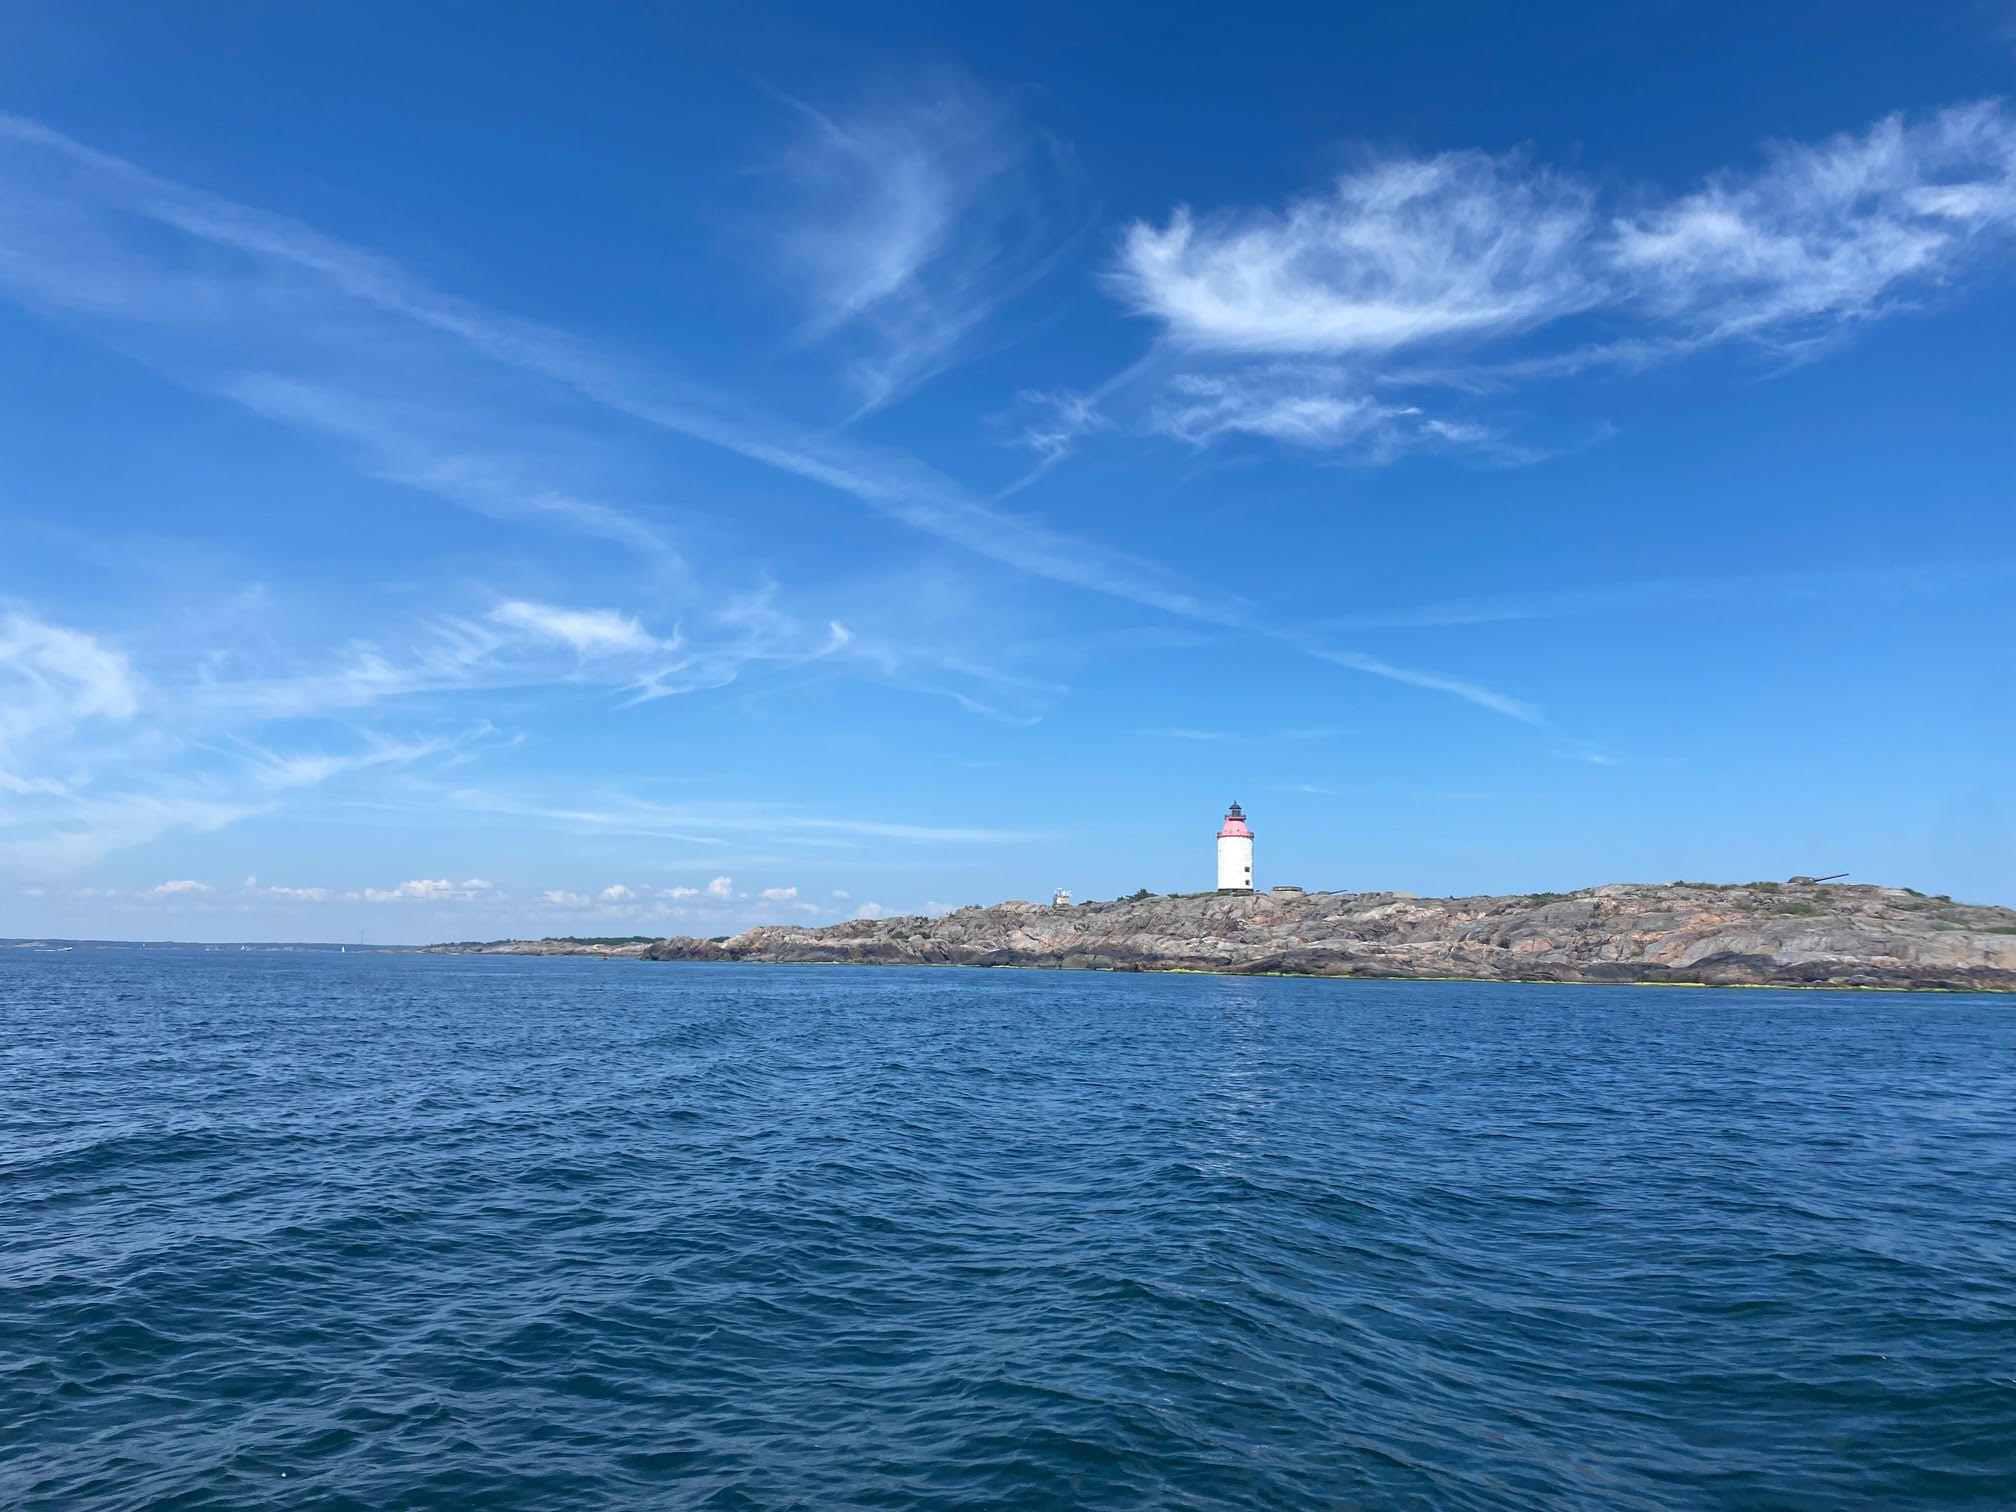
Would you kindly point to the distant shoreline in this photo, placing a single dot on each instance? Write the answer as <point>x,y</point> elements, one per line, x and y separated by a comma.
<point>1762,934</point>
<point>319,947</point>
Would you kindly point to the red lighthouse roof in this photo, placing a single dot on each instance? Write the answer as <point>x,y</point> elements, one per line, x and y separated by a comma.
<point>1235,825</point>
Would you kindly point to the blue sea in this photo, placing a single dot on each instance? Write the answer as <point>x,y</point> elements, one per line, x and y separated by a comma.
<point>381,1231</point>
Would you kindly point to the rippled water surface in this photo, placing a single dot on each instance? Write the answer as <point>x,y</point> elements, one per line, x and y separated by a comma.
<point>396,1232</point>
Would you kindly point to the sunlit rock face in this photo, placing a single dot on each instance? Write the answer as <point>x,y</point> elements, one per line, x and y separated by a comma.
<point>1754,933</point>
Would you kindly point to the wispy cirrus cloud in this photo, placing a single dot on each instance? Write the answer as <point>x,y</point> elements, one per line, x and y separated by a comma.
<point>1302,405</point>
<point>523,643</point>
<point>591,632</point>
<point>1805,589</point>
<point>1368,316</point>
<point>98,756</point>
<point>464,454</point>
<point>1476,693</point>
<point>1403,252</point>
<point>307,330</point>
<point>720,823</point>
<point>1844,230</point>
<point>53,677</point>
<point>912,216</point>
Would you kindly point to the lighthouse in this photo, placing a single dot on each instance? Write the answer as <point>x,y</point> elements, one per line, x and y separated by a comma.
<point>1235,854</point>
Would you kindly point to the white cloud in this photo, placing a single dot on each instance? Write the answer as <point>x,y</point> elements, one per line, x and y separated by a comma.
<point>453,451</point>
<point>1401,252</point>
<point>779,894</point>
<point>425,390</point>
<point>1745,594</point>
<point>94,757</point>
<point>1301,405</point>
<point>77,829</point>
<point>1070,415</point>
<point>309,769</point>
<point>561,898</point>
<point>1833,231</point>
<point>679,892</point>
<point>424,890</point>
<point>868,911</point>
<point>710,823</point>
<point>591,632</point>
<point>753,629</point>
<point>1486,698</point>
<point>53,678</point>
<point>842,896</point>
<point>182,886</point>
<point>1461,271</point>
<point>74,252</point>
<point>915,216</point>
<point>434,393</point>
<point>722,888</point>
<point>168,273</point>
<point>616,894</point>
<point>1201,407</point>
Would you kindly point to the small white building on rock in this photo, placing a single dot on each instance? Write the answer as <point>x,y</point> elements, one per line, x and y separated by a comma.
<point>1235,853</point>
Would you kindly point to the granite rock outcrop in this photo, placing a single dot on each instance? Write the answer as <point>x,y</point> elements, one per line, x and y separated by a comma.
<point>1748,934</point>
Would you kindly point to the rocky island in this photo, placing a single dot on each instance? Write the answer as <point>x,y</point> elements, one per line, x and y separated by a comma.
<point>1758,934</point>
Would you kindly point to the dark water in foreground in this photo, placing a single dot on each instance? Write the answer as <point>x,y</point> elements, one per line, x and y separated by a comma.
<point>440,1232</point>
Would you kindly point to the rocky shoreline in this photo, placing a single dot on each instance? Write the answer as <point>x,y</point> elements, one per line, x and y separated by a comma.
<point>1758,934</point>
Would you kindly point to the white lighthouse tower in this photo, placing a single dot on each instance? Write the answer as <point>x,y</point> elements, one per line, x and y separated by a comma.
<point>1235,854</point>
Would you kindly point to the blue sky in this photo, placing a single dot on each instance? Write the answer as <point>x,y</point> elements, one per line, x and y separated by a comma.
<point>480,470</point>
